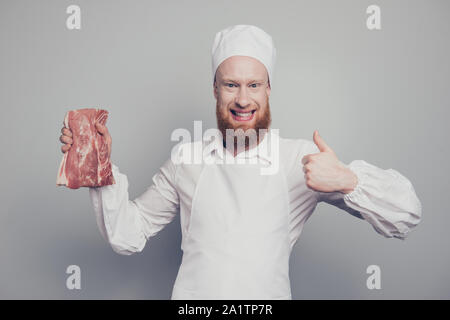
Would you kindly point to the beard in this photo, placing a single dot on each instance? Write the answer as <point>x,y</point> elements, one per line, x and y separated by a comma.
<point>241,133</point>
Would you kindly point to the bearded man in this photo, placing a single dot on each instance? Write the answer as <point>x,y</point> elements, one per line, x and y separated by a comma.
<point>238,225</point>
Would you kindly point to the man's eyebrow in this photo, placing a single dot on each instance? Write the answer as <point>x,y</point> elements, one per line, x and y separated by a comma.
<point>231,80</point>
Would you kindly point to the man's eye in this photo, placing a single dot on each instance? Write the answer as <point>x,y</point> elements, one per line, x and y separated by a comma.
<point>254,85</point>
<point>230,85</point>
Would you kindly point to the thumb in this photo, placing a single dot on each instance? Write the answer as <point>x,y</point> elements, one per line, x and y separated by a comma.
<point>320,143</point>
<point>101,128</point>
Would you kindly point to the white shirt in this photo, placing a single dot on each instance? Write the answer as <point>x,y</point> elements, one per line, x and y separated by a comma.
<point>384,198</point>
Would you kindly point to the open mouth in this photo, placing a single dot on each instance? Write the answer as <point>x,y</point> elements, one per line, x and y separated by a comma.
<point>242,116</point>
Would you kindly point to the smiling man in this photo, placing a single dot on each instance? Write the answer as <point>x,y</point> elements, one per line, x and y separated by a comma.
<point>241,89</point>
<point>239,226</point>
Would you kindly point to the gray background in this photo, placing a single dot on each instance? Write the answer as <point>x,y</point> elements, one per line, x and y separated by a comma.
<point>381,96</point>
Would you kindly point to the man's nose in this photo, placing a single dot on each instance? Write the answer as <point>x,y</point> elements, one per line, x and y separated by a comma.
<point>242,99</point>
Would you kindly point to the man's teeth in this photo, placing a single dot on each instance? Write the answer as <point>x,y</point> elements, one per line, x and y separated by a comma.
<point>248,114</point>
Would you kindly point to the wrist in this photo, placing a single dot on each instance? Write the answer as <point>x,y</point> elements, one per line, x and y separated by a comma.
<point>349,181</point>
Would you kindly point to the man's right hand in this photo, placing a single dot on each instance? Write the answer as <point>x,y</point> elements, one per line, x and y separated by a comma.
<point>66,137</point>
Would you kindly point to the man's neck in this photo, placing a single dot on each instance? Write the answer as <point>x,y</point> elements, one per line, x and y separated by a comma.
<point>234,150</point>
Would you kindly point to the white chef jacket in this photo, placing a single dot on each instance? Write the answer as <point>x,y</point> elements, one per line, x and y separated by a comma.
<point>384,198</point>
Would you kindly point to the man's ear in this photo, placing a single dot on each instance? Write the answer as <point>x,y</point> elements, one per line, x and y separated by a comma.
<point>268,89</point>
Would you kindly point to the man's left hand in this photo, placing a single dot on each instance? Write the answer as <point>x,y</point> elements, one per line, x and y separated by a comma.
<point>324,172</point>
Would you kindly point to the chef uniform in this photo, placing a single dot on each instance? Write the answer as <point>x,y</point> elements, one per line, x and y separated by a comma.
<point>238,225</point>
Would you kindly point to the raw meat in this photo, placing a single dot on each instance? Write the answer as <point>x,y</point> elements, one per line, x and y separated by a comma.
<point>86,164</point>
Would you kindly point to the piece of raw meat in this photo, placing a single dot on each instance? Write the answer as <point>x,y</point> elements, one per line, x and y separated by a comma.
<point>86,164</point>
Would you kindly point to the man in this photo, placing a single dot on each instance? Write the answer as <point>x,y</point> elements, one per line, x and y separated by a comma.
<point>239,226</point>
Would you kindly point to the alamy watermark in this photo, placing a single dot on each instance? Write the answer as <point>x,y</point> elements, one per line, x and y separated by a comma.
<point>73,21</point>
<point>196,149</point>
<point>373,21</point>
<point>374,280</point>
<point>73,281</point>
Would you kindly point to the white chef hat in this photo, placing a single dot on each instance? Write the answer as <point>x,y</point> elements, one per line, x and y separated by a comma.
<point>244,40</point>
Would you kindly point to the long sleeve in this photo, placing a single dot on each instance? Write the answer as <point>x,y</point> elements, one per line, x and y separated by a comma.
<point>128,224</point>
<point>384,198</point>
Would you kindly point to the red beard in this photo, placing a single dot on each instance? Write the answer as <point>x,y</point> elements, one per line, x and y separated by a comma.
<point>263,121</point>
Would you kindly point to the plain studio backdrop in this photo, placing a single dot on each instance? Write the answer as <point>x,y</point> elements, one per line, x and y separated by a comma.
<point>381,96</point>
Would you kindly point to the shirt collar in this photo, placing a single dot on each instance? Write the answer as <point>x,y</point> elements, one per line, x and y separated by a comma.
<point>262,151</point>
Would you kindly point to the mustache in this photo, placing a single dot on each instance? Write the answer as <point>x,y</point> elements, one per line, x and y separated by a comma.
<point>263,121</point>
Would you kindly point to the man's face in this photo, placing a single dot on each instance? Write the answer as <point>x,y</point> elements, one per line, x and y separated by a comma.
<point>242,92</point>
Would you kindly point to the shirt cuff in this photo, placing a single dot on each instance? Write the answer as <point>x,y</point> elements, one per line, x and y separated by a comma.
<point>357,192</point>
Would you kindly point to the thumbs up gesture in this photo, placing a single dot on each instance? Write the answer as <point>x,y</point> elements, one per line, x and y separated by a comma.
<point>324,172</point>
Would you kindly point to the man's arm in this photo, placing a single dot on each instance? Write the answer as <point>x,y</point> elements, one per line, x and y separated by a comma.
<point>384,198</point>
<point>128,224</point>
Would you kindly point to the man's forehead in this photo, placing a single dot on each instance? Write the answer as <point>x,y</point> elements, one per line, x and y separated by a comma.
<point>242,68</point>
<point>241,76</point>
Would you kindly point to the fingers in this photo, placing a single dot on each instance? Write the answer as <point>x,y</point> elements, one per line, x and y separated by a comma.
<point>307,167</point>
<point>67,136</point>
<point>306,159</point>
<point>67,143</point>
<point>65,148</point>
<point>307,175</point>
<point>65,139</point>
<point>66,132</point>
